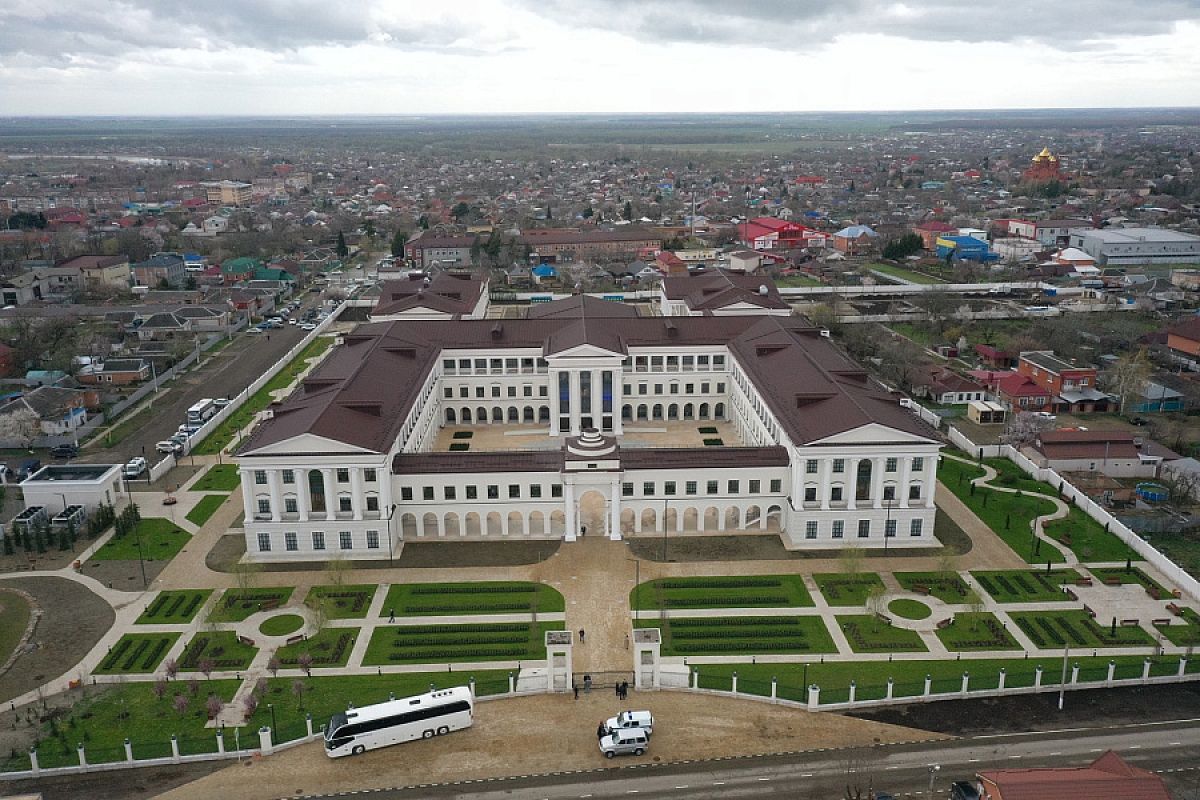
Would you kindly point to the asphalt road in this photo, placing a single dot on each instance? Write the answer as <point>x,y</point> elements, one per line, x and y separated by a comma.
<point>1171,749</point>
<point>226,374</point>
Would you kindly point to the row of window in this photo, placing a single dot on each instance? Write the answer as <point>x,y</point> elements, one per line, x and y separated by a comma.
<point>673,388</point>
<point>492,491</point>
<point>837,493</point>
<point>344,504</point>
<point>685,363</point>
<point>289,476</point>
<point>291,541</point>
<point>670,488</point>
<point>813,465</point>
<point>812,528</point>
<point>495,391</point>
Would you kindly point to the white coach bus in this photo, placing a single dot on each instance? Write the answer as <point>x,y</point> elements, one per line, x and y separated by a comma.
<point>420,717</point>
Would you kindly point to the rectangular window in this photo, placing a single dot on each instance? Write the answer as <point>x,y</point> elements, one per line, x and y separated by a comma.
<point>512,391</point>
<point>839,465</point>
<point>264,542</point>
<point>448,493</point>
<point>372,503</point>
<point>289,542</point>
<point>690,487</point>
<point>289,476</point>
<point>464,392</point>
<point>472,492</point>
<point>776,486</point>
<point>448,392</point>
<point>734,487</point>
<point>493,491</point>
<point>720,388</point>
<point>669,488</point>
<point>810,529</point>
<point>914,528</point>
<point>839,528</point>
<point>810,466</point>
<point>658,388</point>
<point>535,490</point>
<point>648,489</point>
<point>406,493</point>
<point>318,538</point>
<point>260,476</point>
<point>864,528</point>
<point>344,540</point>
<point>914,492</point>
<point>718,362</point>
<point>289,505</point>
<point>527,390</point>
<point>343,476</point>
<point>889,528</point>
<point>480,392</point>
<point>556,490</point>
<point>543,391</point>
<point>704,388</point>
<point>626,489</point>
<point>642,388</point>
<point>835,494</point>
<point>891,464</point>
<point>344,504</point>
<point>810,494</point>
<point>264,506</point>
<point>495,391</point>
<point>514,491</point>
<point>918,464</point>
<point>755,487</point>
<point>889,493</point>
<point>427,492</point>
<point>372,540</point>
<point>711,487</point>
<point>370,476</point>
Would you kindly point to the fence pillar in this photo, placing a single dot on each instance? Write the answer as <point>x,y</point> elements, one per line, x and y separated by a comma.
<point>853,690</point>
<point>695,678</point>
<point>221,741</point>
<point>128,750</point>
<point>928,685</point>
<point>734,686</point>
<point>774,688</point>
<point>1146,669</point>
<point>264,740</point>
<point>82,755</point>
<point>1074,673</point>
<point>33,763</point>
<point>814,697</point>
<point>175,748</point>
<point>308,724</point>
<point>471,686</point>
<point>891,684</point>
<point>1003,675</point>
<point>512,683</point>
<point>1037,678</point>
<point>966,681</point>
<point>1182,665</point>
<point>1112,670</point>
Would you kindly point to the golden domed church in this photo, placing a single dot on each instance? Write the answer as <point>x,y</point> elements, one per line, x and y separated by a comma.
<point>1045,167</point>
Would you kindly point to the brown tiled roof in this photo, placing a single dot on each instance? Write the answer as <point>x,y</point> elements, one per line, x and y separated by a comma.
<point>707,457</point>
<point>1108,777</point>
<point>453,294</point>
<point>721,288</point>
<point>563,236</point>
<point>1086,444</point>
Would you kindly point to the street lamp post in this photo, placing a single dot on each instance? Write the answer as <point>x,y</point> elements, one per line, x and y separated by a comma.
<point>664,554</point>
<point>391,513</point>
<point>933,771</point>
<point>637,581</point>
<point>1062,682</point>
<point>274,735</point>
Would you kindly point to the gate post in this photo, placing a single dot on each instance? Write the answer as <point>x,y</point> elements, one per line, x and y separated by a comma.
<point>558,661</point>
<point>647,650</point>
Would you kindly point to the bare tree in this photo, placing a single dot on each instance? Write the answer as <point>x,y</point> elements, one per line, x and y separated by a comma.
<point>337,570</point>
<point>1128,377</point>
<point>20,427</point>
<point>1024,428</point>
<point>851,559</point>
<point>246,574</point>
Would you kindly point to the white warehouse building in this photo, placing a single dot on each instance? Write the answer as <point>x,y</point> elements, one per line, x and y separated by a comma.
<point>594,417</point>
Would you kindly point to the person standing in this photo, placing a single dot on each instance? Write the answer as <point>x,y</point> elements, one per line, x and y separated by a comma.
<point>575,689</point>
<point>617,689</point>
<point>581,636</point>
<point>601,730</point>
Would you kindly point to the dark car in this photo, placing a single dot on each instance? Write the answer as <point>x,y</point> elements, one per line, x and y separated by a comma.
<point>64,451</point>
<point>964,790</point>
<point>1139,421</point>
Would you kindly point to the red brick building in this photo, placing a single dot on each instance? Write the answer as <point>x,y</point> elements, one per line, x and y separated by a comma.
<point>1073,388</point>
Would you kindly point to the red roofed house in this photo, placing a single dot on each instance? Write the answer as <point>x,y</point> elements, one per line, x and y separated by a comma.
<point>995,358</point>
<point>930,231</point>
<point>670,264</point>
<point>1073,386</point>
<point>945,386</point>
<point>1107,777</point>
<point>1184,341</point>
<point>1115,453</point>
<point>1018,393</point>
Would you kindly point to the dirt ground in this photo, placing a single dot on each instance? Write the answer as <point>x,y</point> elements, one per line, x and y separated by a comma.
<point>73,620</point>
<point>125,576</point>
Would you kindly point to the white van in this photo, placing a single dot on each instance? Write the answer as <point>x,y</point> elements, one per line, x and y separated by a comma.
<point>623,742</point>
<point>631,720</point>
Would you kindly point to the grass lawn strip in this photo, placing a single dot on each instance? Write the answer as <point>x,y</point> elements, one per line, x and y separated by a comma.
<point>846,589</point>
<point>160,539</point>
<point>1009,515</point>
<point>245,413</point>
<point>204,509</point>
<point>102,718</point>
<point>343,602</point>
<point>219,478</point>
<point>446,644</point>
<point>234,605</point>
<point>222,650</point>
<point>482,597</point>
<point>1186,635</point>
<point>1131,575</point>
<point>1025,586</point>
<point>909,609</point>
<point>869,634</point>
<point>684,636</point>
<point>1075,628</point>
<point>175,607</point>
<point>974,631</point>
<point>750,591</point>
<point>328,648</point>
<point>136,653</point>
<point>949,587</point>
<point>281,625</point>
<point>13,621</point>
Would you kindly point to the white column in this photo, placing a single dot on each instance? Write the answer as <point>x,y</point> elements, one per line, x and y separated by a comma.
<point>576,400</point>
<point>826,482</point>
<point>273,486</point>
<point>356,492</point>
<point>851,484</point>
<point>302,493</point>
<point>598,399</point>
<point>328,476</point>
<point>248,504</point>
<point>877,466</point>
<point>555,403</point>
<point>905,477</point>
<point>614,509</point>
<point>618,395</point>
<point>930,479</point>
<point>572,517</point>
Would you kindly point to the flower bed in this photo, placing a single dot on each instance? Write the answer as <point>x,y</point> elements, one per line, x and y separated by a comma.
<point>136,653</point>
<point>174,607</point>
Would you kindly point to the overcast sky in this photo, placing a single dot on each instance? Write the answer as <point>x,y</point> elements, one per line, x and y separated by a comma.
<point>167,57</point>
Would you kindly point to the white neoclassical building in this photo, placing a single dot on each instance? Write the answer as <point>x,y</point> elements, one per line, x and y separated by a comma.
<point>588,409</point>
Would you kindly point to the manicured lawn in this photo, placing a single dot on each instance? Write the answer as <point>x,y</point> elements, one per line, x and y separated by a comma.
<point>104,717</point>
<point>869,634</point>
<point>204,509</point>
<point>909,609</point>
<point>325,696</point>
<point>1087,538</point>
<point>219,478</point>
<point>1075,628</point>
<point>1010,476</point>
<point>222,648</point>
<point>136,653</point>
<point>977,631</point>
<point>328,648</point>
<point>239,419</point>
<point>750,591</point>
<point>174,607</point>
<point>281,625</point>
<point>1009,515</point>
<point>1185,635</point>
<point>160,539</point>
<point>1131,575</point>
<point>685,636</point>
<point>14,617</point>
<point>444,644</point>
<point>343,602</point>
<point>483,597</point>
<point>846,589</point>
<point>237,604</point>
<point>949,587</point>
<point>1025,586</point>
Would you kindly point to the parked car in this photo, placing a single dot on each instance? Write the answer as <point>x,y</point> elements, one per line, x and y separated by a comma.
<point>628,720</point>
<point>256,329</point>
<point>308,326</point>
<point>168,446</point>
<point>28,467</point>
<point>624,742</point>
<point>1139,421</point>
<point>64,451</point>
<point>221,402</point>
<point>134,467</point>
<point>5,473</point>
<point>964,790</point>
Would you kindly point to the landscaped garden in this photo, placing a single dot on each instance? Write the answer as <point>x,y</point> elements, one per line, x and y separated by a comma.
<point>327,648</point>
<point>219,478</point>
<point>684,636</point>
<point>237,604</point>
<point>949,587</point>
<point>748,591</point>
<point>868,633</point>
<point>136,653</point>
<point>175,607</point>
<point>152,538</point>
<point>281,625</point>
<point>1076,628</point>
<point>1021,586</point>
<point>216,650</point>
<point>1185,635</point>
<point>978,630</point>
<point>1126,576</point>
<point>846,588</point>
<point>342,602</point>
<point>205,508</point>
<point>483,597</point>
<point>444,644</point>
<point>14,619</point>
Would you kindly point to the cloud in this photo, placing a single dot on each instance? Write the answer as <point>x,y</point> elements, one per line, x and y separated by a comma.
<point>806,24</point>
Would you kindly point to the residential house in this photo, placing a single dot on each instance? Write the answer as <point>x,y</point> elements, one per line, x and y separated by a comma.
<point>745,261</point>
<point>931,230</point>
<point>1183,340</point>
<point>23,289</point>
<point>1106,778</point>
<point>163,326</point>
<point>854,239</point>
<point>115,372</point>
<point>565,244</point>
<point>720,293</point>
<point>1072,387</point>
<point>426,248</point>
<point>996,358</point>
<point>946,387</point>
<point>1115,453</point>
<point>59,410</point>
<point>159,268</point>
<point>1018,392</point>
<point>98,271</point>
<point>1155,398</point>
<point>236,270</point>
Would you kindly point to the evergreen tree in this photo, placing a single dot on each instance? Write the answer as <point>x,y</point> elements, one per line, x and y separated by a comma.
<point>398,243</point>
<point>342,250</point>
<point>628,210</point>
<point>8,545</point>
